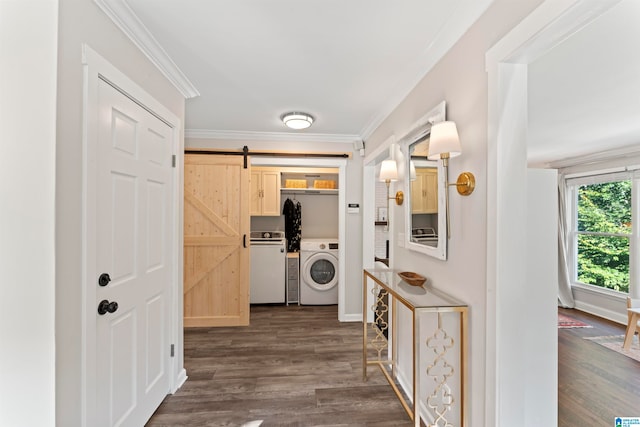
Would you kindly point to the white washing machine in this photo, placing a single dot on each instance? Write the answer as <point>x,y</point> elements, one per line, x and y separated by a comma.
<point>319,271</point>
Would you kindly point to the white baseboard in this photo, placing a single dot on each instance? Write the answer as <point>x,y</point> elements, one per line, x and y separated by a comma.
<point>354,317</point>
<point>601,312</point>
<point>180,380</point>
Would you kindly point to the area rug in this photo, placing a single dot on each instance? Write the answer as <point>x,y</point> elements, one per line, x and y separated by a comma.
<point>568,322</point>
<point>614,342</point>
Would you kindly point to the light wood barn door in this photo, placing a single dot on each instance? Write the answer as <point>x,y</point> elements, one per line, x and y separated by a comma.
<point>216,241</point>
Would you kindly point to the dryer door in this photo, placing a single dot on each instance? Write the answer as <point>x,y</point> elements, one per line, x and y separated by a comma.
<point>320,271</point>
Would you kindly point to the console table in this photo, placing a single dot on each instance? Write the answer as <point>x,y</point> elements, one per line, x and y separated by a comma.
<point>442,351</point>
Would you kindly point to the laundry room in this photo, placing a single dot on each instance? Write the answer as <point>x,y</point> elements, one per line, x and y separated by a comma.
<point>294,235</point>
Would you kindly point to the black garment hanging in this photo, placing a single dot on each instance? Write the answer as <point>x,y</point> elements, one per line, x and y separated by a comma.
<point>292,224</point>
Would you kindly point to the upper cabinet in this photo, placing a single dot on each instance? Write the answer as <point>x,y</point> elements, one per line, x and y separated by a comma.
<point>265,192</point>
<point>424,191</point>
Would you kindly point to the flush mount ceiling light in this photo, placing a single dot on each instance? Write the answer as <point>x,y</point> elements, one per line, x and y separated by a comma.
<point>296,120</point>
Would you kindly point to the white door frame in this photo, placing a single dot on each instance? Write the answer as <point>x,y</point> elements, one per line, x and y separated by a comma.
<point>507,65</point>
<point>95,68</point>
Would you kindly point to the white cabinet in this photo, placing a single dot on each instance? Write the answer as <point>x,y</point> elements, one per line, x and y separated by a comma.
<point>424,191</point>
<point>265,192</point>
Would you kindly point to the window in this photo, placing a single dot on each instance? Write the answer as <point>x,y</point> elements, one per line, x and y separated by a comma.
<point>601,230</point>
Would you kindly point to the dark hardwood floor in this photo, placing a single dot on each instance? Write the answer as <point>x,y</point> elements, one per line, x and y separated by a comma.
<point>294,366</point>
<point>595,384</point>
<point>299,366</point>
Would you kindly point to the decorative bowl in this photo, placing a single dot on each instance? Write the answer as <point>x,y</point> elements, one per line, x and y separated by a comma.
<point>414,279</point>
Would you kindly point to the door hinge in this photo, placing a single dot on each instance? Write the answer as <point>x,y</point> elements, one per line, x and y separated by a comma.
<point>173,160</point>
<point>173,347</point>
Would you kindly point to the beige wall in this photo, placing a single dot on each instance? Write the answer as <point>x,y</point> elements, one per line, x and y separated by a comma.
<point>81,21</point>
<point>460,80</point>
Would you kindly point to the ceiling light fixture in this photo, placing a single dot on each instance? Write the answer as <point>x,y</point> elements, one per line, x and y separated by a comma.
<point>296,120</point>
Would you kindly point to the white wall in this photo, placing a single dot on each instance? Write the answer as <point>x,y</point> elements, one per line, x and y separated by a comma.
<point>81,21</point>
<point>28,34</point>
<point>319,216</point>
<point>460,80</point>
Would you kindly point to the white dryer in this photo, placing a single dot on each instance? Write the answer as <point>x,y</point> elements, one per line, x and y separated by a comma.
<point>319,271</point>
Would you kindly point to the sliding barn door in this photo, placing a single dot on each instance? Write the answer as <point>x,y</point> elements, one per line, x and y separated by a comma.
<point>216,241</point>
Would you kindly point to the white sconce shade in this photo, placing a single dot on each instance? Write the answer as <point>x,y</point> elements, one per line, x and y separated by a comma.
<point>297,120</point>
<point>412,171</point>
<point>444,141</point>
<point>388,171</point>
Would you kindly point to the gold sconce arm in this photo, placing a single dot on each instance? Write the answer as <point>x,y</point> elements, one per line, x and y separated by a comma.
<point>465,184</point>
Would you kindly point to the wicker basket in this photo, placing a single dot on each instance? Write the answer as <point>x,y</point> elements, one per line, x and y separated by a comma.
<point>295,183</point>
<point>324,183</point>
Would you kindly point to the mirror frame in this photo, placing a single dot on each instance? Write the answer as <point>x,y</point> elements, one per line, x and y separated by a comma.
<point>436,115</point>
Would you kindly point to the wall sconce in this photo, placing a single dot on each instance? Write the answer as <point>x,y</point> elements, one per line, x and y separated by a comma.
<point>388,173</point>
<point>444,143</point>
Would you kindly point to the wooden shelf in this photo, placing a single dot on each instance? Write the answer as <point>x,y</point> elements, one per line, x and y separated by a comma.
<point>323,191</point>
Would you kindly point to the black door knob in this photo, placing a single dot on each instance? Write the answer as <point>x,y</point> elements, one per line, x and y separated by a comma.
<point>104,279</point>
<point>107,307</point>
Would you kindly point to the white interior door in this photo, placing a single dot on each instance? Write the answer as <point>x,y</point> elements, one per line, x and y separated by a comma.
<point>134,176</point>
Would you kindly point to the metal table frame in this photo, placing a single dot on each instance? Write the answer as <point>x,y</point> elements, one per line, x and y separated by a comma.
<point>387,283</point>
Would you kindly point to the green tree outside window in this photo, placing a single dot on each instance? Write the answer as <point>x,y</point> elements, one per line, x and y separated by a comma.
<point>604,226</point>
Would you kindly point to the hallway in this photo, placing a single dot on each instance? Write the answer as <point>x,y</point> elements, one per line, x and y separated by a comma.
<point>293,366</point>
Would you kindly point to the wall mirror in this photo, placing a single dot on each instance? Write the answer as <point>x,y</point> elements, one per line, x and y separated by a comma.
<point>426,220</point>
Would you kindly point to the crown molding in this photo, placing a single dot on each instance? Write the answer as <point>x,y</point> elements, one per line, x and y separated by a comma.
<point>631,151</point>
<point>231,135</point>
<point>125,19</point>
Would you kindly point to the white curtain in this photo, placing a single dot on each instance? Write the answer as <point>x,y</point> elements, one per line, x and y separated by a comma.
<point>565,296</point>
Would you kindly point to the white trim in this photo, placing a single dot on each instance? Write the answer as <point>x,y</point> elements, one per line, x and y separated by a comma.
<point>121,14</point>
<point>507,65</point>
<point>231,135</point>
<point>368,215</point>
<point>543,29</point>
<point>341,164</point>
<point>571,178</point>
<point>597,310</point>
<point>613,297</point>
<point>597,158</point>
<point>381,152</point>
<point>435,115</point>
<point>95,66</point>
<point>353,317</point>
<point>181,378</point>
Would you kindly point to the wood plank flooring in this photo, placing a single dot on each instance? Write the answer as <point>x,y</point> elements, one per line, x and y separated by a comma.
<point>595,384</point>
<point>293,366</point>
<point>299,366</point>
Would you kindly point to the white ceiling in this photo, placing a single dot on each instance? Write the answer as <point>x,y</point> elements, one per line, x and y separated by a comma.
<point>243,63</point>
<point>584,95</point>
<point>347,63</point>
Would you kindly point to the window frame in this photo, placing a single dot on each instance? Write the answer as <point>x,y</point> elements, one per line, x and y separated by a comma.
<point>572,184</point>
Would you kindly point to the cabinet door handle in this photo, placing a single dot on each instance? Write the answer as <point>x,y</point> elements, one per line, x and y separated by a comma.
<point>244,240</point>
